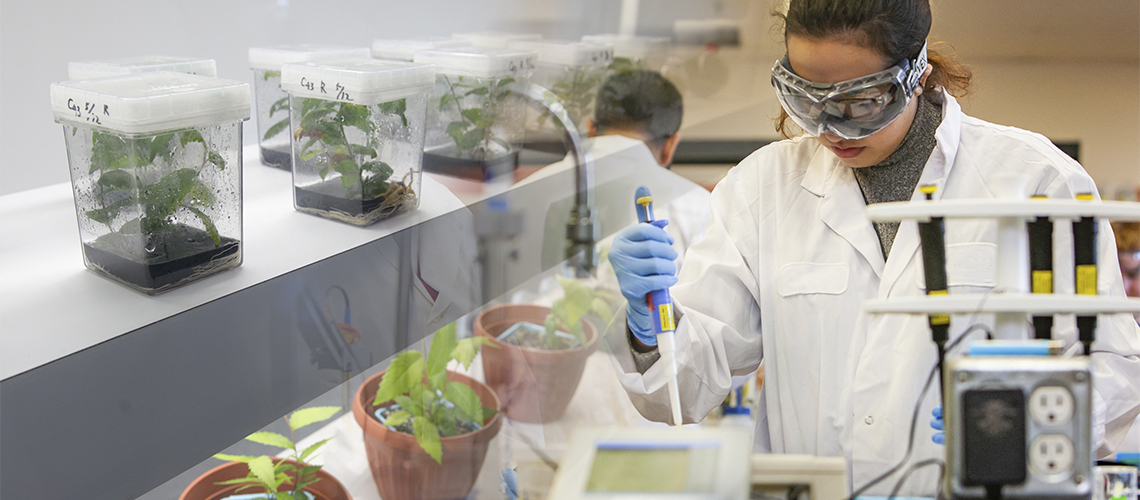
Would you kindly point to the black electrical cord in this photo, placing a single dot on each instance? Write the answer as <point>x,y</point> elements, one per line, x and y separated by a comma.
<point>918,465</point>
<point>917,408</point>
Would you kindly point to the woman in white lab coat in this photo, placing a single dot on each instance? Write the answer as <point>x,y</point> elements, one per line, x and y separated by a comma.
<point>790,256</point>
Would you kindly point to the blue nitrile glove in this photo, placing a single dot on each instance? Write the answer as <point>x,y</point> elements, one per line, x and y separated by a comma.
<point>936,423</point>
<point>642,256</point>
<point>509,483</point>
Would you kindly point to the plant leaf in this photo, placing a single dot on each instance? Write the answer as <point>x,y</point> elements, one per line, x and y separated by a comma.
<point>117,179</point>
<point>427,435</point>
<point>210,227</point>
<point>215,158</point>
<point>474,114</point>
<point>281,104</point>
<point>445,421</point>
<point>466,349</point>
<point>262,469</point>
<point>306,416</point>
<point>241,480</point>
<point>312,449</point>
<point>162,198</point>
<point>397,417</point>
<point>190,135</point>
<point>405,372</point>
<point>444,100</point>
<point>442,345</point>
<point>466,399</point>
<point>277,128</point>
<point>270,439</point>
<point>413,406</point>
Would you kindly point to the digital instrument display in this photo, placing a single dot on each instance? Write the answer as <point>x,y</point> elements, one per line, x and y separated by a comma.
<point>678,466</point>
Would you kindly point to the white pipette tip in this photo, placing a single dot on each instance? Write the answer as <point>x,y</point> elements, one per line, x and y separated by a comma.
<point>667,347</point>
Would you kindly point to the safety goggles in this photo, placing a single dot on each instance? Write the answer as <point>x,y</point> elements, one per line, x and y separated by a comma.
<point>851,109</point>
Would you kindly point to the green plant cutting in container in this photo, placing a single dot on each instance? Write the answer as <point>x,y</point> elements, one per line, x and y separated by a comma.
<point>324,130</point>
<point>283,479</point>
<point>472,132</point>
<point>431,407</point>
<point>566,313</point>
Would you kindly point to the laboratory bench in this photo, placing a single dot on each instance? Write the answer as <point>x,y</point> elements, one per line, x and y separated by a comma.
<point>109,393</point>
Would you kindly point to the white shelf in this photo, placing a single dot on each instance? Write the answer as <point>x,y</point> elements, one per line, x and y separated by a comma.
<point>1004,303</point>
<point>968,208</point>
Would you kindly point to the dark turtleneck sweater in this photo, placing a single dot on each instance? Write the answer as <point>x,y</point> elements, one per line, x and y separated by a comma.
<point>895,178</point>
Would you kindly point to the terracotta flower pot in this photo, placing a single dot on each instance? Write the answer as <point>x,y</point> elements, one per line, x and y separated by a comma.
<point>206,487</point>
<point>534,385</point>
<point>402,470</point>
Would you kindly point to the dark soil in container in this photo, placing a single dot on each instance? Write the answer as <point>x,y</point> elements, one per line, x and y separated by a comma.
<point>277,159</point>
<point>464,427</point>
<point>182,254</point>
<point>467,168</point>
<point>327,200</point>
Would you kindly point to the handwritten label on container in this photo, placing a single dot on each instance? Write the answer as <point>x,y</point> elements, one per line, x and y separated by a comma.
<point>88,111</point>
<point>602,56</point>
<point>524,64</point>
<point>335,90</point>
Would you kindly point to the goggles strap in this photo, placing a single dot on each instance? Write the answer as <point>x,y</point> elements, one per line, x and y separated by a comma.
<point>918,67</point>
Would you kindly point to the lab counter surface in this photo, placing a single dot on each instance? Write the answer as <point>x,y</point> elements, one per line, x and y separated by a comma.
<point>126,391</point>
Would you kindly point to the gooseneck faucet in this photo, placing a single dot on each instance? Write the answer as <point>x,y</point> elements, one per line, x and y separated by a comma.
<point>581,231</point>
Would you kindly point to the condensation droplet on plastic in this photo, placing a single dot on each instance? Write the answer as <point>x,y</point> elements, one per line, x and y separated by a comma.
<point>150,244</point>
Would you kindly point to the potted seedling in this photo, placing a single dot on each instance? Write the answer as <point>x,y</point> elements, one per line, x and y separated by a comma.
<point>156,172</point>
<point>542,351</point>
<point>472,122</point>
<point>272,102</point>
<point>273,478</point>
<point>358,132</point>
<point>426,429</point>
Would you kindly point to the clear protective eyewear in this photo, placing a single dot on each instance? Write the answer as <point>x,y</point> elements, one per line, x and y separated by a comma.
<point>851,109</point>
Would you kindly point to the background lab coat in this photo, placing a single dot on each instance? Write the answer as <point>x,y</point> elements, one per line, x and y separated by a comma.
<point>789,259</point>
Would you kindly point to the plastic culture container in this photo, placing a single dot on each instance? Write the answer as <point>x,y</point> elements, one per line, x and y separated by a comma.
<point>471,121</point>
<point>405,49</point>
<point>358,136</point>
<point>635,52</point>
<point>143,64</point>
<point>271,100</point>
<point>494,39</point>
<point>156,172</point>
<point>573,71</point>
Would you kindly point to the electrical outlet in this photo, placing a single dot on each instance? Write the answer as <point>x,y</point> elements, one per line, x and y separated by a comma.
<point>1051,455</point>
<point>1051,405</point>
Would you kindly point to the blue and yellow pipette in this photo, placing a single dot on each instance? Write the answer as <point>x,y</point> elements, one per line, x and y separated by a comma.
<point>661,312</point>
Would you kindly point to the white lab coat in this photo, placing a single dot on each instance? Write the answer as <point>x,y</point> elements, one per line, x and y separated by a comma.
<point>783,271</point>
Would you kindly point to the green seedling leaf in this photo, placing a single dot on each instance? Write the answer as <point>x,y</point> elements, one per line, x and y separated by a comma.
<point>456,129</point>
<point>277,128</point>
<point>190,135</point>
<point>405,372</point>
<point>248,481</point>
<point>477,91</point>
<point>215,158</point>
<point>165,196</point>
<point>579,298</point>
<point>309,155</point>
<point>108,213</point>
<point>210,227</point>
<point>466,399</point>
<point>349,173</point>
<point>445,421</point>
<point>262,469</point>
<point>427,435</point>
<point>397,418</point>
<point>475,115</point>
<point>313,118</point>
<point>307,416</point>
<point>471,138</point>
<point>312,449</point>
<point>201,194</point>
<point>356,115</point>
<point>117,179</point>
<point>271,74</point>
<point>233,458</point>
<point>324,173</point>
<point>411,405</point>
<point>363,150</point>
<point>466,349</point>
<point>281,104</point>
<point>270,439</point>
<point>439,354</point>
<point>160,145</point>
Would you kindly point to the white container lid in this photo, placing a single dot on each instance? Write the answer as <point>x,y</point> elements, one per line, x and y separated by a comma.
<point>637,47</point>
<point>568,53</point>
<point>480,62</point>
<point>150,102</point>
<point>271,58</point>
<point>142,64</point>
<point>405,49</point>
<point>361,81</point>
<point>494,39</point>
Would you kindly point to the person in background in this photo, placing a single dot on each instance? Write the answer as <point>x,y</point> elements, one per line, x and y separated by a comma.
<point>641,110</point>
<point>1128,253</point>
<point>790,257</point>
